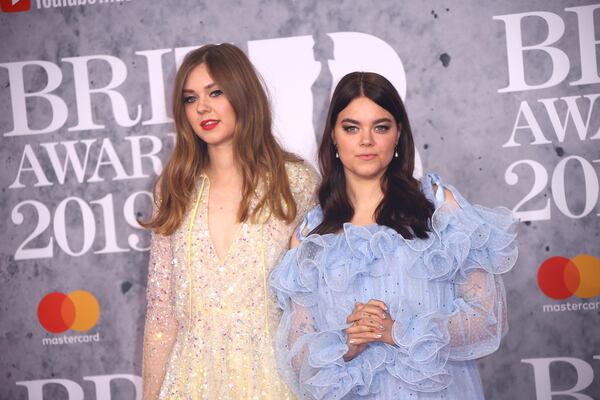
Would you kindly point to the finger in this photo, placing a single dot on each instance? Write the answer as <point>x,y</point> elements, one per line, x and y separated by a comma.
<point>374,310</point>
<point>369,315</point>
<point>354,317</point>
<point>372,323</point>
<point>354,314</point>
<point>367,311</point>
<point>358,329</point>
<point>378,303</point>
<point>358,342</point>
<point>365,336</point>
<point>357,317</point>
<point>362,338</point>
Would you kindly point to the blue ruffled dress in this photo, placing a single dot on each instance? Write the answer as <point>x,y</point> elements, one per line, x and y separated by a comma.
<point>444,293</point>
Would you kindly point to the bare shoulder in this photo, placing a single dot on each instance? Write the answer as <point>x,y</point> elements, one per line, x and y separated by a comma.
<point>449,200</point>
<point>294,241</point>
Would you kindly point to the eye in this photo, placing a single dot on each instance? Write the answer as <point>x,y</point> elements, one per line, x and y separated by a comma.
<point>382,128</point>
<point>350,128</point>
<point>189,99</point>
<point>216,93</point>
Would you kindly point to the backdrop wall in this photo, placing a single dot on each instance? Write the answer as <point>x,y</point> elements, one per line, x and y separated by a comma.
<point>502,97</point>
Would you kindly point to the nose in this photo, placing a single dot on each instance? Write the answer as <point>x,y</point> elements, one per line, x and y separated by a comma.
<point>202,105</point>
<point>366,138</point>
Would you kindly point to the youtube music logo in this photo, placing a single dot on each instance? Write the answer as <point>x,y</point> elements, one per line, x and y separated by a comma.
<point>15,5</point>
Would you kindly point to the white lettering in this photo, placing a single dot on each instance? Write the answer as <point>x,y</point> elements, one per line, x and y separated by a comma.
<point>560,128</point>
<point>530,123</point>
<point>35,388</point>
<point>157,86</point>
<point>587,44</point>
<point>34,167</point>
<point>516,49</point>
<point>71,157</point>
<point>112,160</point>
<point>84,92</point>
<point>152,155</point>
<point>543,385</point>
<point>102,384</point>
<point>59,112</point>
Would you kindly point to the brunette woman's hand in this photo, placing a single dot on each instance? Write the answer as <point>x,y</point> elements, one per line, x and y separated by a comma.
<point>370,323</point>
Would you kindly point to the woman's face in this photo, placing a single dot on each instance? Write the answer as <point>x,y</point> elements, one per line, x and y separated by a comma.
<point>365,135</point>
<point>207,108</point>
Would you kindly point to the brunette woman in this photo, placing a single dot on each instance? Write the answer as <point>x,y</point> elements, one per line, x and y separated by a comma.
<point>226,204</point>
<point>393,286</point>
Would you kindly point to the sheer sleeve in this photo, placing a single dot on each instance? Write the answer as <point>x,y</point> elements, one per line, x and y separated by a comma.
<point>472,330</point>
<point>479,321</point>
<point>472,247</point>
<point>309,356</point>
<point>161,325</point>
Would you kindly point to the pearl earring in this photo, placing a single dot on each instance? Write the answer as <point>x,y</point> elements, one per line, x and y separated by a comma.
<point>337,155</point>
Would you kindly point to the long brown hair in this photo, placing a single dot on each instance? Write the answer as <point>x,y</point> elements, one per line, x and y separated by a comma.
<point>403,207</point>
<point>259,157</point>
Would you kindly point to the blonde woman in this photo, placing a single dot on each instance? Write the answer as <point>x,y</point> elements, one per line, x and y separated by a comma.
<point>226,205</point>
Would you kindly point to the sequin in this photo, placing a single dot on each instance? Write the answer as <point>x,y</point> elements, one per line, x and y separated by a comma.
<point>227,350</point>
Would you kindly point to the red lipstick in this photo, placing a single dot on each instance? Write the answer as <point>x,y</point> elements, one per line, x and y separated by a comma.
<point>209,124</point>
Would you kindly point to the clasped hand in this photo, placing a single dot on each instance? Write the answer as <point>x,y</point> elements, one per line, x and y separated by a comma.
<point>371,322</point>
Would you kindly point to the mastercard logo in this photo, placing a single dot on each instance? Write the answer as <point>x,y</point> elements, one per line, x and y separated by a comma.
<point>78,310</point>
<point>561,277</point>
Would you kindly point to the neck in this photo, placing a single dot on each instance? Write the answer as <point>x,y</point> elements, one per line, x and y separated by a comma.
<point>365,195</point>
<point>222,168</point>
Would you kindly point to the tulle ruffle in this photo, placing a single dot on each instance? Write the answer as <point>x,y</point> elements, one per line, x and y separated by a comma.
<point>461,239</point>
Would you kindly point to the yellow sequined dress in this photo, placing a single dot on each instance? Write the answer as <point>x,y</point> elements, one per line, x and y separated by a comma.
<point>218,316</point>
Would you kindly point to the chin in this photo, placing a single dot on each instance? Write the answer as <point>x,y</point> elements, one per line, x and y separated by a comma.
<point>369,173</point>
<point>214,139</point>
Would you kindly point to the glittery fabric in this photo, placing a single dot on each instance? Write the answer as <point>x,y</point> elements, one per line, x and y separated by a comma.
<point>227,351</point>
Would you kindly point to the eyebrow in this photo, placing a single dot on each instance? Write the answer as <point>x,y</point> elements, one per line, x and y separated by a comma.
<point>380,120</point>
<point>209,86</point>
<point>377,121</point>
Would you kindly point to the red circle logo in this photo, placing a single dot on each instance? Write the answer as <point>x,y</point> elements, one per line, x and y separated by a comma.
<point>78,310</point>
<point>561,277</point>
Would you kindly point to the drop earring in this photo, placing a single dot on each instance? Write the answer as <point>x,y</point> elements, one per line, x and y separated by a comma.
<point>396,152</point>
<point>336,152</point>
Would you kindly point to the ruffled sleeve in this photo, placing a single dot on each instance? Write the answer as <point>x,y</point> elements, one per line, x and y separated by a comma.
<point>469,248</point>
<point>309,351</point>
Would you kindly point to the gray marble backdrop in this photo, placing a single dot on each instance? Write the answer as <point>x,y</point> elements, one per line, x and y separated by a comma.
<point>502,97</point>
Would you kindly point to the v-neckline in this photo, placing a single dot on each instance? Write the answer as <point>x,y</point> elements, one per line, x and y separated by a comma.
<point>205,220</point>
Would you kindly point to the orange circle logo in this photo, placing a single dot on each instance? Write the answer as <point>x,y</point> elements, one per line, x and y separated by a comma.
<point>560,277</point>
<point>78,310</point>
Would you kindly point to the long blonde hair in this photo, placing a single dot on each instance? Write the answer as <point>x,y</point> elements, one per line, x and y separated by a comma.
<point>260,158</point>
